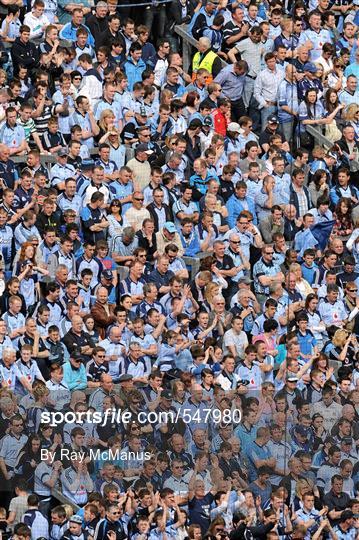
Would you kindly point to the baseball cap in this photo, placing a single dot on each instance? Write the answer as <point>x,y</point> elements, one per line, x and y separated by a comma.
<point>292,378</point>
<point>87,164</point>
<point>166,394</point>
<point>107,274</point>
<point>125,377</point>
<point>233,126</point>
<point>76,356</point>
<point>143,148</point>
<point>63,152</point>
<point>246,280</point>
<point>170,227</point>
<point>207,121</point>
<point>347,440</point>
<point>76,519</point>
<point>310,67</point>
<point>272,119</point>
<point>301,430</point>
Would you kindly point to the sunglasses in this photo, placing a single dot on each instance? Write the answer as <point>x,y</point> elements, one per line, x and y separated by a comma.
<point>137,199</point>
<point>353,290</point>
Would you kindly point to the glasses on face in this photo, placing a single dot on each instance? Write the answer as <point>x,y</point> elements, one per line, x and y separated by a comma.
<point>116,204</point>
<point>353,290</point>
<point>234,242</point>
<point>101,356</point>
<point>269,252</point>
<point>138,199</point>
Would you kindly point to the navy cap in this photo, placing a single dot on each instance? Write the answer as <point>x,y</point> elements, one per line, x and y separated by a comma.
<point>87,164</point>
<point>301,430</point>
<point>76,356</point>
<point>273,119</point>
<point>310,67</point>
<point>107,274</point>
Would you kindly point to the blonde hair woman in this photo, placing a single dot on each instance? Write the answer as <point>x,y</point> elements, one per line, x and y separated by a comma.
<point>211,290</point>
<point>345,347</point>
<point>301,284</point>
<point>106,124</point>
<point>302,486</point>
<point>352,116</point>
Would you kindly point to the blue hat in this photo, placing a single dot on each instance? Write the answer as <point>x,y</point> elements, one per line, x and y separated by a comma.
<point>310,67</point>
<point>301,430</point>
<point>170,227</point>
<point>87,164</point>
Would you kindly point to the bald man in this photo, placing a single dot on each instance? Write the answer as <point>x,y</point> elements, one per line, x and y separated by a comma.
<point>102,312</point>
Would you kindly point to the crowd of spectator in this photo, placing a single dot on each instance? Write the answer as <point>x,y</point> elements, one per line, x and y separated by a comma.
<point>180,242</point>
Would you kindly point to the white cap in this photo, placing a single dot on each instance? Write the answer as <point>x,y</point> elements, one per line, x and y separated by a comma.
<point>233,126</point>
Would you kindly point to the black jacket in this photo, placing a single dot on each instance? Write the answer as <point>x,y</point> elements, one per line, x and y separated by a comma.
<point>174,13</point>
<point>152,211</point>
<point>96,25</point>
<point>105,38</point>
<point>25,54</point>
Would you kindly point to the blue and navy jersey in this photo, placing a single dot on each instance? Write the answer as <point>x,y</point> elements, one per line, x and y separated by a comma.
<point>130,368</point>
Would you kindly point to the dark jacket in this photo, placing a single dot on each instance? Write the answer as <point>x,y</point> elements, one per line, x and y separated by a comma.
<point>105,38</point>
<point>294,198</point>
<point>25,54</point>
<point>175,13</point>
<point>96,25</point>
<point>152,211</point>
